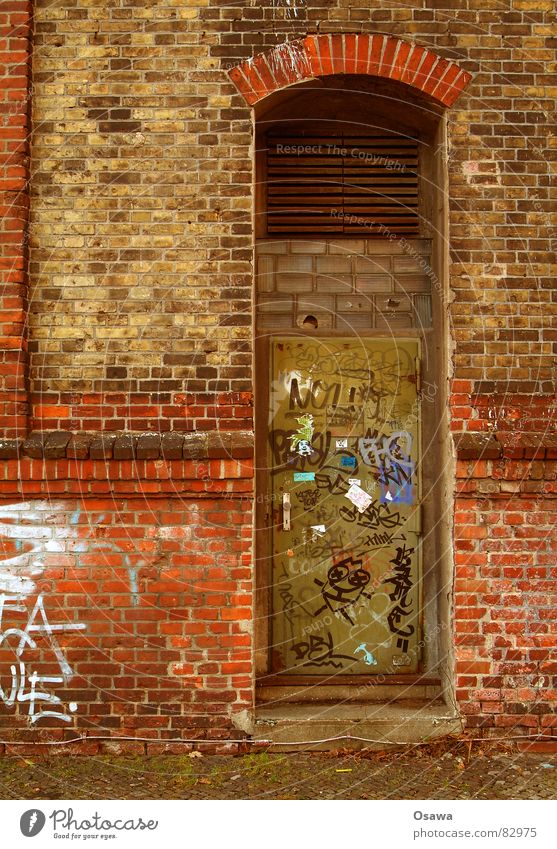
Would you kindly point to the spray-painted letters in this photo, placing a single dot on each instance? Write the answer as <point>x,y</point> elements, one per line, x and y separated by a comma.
<point>402,587</point>
<point>29,531</point>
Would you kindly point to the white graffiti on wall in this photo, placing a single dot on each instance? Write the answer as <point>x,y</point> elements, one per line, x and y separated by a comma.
<point>29,531</point>
<point>292,8</point>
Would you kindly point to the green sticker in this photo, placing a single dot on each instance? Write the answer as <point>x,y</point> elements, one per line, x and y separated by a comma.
<point>304,476</point>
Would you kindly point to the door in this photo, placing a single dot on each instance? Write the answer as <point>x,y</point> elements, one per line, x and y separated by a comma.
<point>343,451</point>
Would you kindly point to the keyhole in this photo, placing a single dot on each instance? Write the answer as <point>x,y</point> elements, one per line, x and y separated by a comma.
<point>310,322</point>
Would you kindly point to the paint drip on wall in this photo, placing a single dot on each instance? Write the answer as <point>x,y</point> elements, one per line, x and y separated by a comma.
<point>293,9</point>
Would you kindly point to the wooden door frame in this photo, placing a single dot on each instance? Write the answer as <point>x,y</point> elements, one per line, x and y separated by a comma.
<point>437,535</point>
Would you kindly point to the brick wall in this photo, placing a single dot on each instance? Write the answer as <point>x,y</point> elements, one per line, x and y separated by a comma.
<point>14,209</point>
<point>142,209</point>
<point>129,585</point>
<point>135,609</point>
<point>140,316</point>
<point>141,221</point>
<point>505,615</point>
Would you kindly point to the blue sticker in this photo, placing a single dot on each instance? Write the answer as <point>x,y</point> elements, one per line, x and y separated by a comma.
<point>392,493</point>
<point>368,658</point>
<point>304,476</point>
<point>348,461</point>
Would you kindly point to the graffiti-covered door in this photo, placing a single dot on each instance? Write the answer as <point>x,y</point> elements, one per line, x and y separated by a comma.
<point>344,469</point>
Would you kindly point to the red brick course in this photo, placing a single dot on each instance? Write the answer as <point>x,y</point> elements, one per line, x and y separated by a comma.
<point>158,411</point>
<point>15,72</point>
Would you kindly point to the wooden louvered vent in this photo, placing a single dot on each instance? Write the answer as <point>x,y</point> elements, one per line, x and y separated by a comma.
<point>342,184</point>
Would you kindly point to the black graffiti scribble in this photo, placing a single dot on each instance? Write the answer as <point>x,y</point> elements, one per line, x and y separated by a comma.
<point>291,608</point>
<point>279,440</point>
<point>338,486</point>
<point>376,516</point>
<point>319,651</point>
<point>326,513</point>
<point>402,586</point>
<point>343,587</point>
<point>317,546</point>
<point>376,540</point>
<point>401,581</point>
<point>288,604</point>
<point>317,395</point>
<point>308,497</point>
<point>324,550</point>
<point>346,417</point>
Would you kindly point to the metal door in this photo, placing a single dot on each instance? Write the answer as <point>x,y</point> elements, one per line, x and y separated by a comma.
<point>344,466</point>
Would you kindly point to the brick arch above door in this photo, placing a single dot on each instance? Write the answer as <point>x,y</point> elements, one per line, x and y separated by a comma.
<point>350,53</point>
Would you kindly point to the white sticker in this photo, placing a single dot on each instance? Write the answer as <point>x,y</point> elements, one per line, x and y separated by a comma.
<point>359,497</point>
<point>341,443</point>
<point>402,660</point>
<point>354,482</point>
<point>319,529</point>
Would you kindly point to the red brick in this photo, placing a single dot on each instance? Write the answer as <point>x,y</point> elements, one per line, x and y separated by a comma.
<point>374,58</point>
<point>337,53</point>
<point>386,62</point>
<point>325,54</point>
<point>350,53</point>
<point>243,85</point>
<point>414,58</point>
<point>260,76</point>
<point>363,43</point>
<point>313,53</point>
<point>422,74</point>
<point>547,746</point>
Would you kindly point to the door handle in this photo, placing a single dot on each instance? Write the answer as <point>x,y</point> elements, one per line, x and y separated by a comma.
<point>285,511</point>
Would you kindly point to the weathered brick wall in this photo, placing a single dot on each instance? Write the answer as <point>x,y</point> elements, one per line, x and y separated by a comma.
<point>125,570</point>
<point>140,318</point>
<point>506,565</point>
<point>142,209</point>
<point>141,221</point>
<point>133,611</point>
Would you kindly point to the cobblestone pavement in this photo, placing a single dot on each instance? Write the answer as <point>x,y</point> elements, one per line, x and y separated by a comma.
<point>455,773</point>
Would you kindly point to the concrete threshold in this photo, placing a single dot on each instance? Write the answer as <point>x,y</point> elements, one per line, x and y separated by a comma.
<point>375,726</point>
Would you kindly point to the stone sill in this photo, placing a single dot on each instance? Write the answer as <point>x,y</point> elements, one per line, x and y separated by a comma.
<point>505,445</point>
<point>239,445</point>
<point>59,444</point>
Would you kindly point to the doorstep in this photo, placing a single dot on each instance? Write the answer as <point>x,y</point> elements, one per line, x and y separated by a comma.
<point>372,725</point>
<point>276,691</point>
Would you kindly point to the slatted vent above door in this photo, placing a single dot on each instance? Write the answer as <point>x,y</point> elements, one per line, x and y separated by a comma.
<point>342,184</point>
